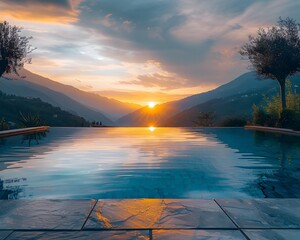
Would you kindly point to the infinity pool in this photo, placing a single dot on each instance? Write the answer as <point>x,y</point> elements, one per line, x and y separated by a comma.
<point>102,163</point>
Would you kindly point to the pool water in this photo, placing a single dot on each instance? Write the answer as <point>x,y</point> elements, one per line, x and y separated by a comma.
<point>110,163</point>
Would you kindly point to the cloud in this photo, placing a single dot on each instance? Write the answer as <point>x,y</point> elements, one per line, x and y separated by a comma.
<point>59,3</point>
<point>194,40</point>
<point>157,80</point>
<point>149,35</point>
<point>58,11</point>
<point>154,44</point>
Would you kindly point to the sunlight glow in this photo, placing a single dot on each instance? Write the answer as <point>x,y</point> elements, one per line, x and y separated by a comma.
<point>152,129</point>
<point>151,104</point>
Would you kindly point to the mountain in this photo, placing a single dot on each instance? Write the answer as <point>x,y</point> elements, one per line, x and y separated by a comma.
<point>220,100</point>
<point>237,106</point>
<point>27,89</point>
<point>12,106</point>
<point>111,108</point>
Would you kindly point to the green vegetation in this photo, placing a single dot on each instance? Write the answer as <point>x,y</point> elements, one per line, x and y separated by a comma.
<point>275,53</point>
<point>271,116</point>
<point>205,119</point>
<point>13,48</point>
<point>30,120</point>
<point>32,112</point>
<point>3,125</point>
<point>234,122</point>
<point>273,103</point>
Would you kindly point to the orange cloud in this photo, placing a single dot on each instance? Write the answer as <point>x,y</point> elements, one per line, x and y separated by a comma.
<point>49,11</point>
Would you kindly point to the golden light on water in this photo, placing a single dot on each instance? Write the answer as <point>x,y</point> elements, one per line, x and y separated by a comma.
<point>152,129</point>
<point>151,104</point>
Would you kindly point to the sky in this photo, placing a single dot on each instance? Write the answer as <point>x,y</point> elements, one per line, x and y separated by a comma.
<point>142,50</point>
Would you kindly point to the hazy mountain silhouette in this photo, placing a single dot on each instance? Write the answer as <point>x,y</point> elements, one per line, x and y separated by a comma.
<point>111,108</point>
<point>237,106</point>
<point>24,88</point>
<point>12,106</point>
<point>231,99</point>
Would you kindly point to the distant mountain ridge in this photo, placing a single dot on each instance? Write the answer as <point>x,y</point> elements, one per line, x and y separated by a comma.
<point>13,106</point>
<point>237,106</point>
<point>184,111</point>
<point>23,88</point>
<point>111,108</point>
<point>234,98</point>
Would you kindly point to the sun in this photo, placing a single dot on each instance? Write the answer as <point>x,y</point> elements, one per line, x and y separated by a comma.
<point>151,104</point>
<point>152,129</point>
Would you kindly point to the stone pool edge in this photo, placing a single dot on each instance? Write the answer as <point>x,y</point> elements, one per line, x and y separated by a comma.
<point>273,130</point>
<point>23,131</point>
<point>150,218</point>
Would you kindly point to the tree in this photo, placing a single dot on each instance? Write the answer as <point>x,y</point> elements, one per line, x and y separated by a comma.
<point>13,48</point>
<point>270,115</point>
<point>205,119</point>
<point>275,52</point>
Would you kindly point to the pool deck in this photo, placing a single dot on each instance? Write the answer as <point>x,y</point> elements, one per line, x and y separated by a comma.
<point>172,219</point>
<point>23,131</point>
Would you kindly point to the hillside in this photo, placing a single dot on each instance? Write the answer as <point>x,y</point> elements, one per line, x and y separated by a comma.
<point>220,100</point>
<point>111,108</point>
<point>27,89</point>
<point>239,106</point>
<point>11,106</point>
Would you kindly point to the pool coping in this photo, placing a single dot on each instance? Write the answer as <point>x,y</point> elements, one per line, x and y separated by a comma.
<point>274,130</point>
<point>98,219</point>
<point>22,131</point>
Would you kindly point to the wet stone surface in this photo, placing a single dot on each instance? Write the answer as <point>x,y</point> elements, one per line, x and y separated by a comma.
<point>273,234</point>
<point>263,213</point>
<point>4,234</point>
<point>81,235</point>
<point>197,234</point>
<point>44,214</point>
<point>263,219</point>
<point>158,214</point>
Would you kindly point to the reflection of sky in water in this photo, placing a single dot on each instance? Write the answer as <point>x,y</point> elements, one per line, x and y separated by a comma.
<point>151,163</point>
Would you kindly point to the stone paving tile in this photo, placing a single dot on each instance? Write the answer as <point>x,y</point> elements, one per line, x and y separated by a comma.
<point>197,234</point>
<point>273,234</point>
<point>44,214</point>
<point>157,214</point>
<point>81,235</point>
<point>263,213</point>
<point>4,234</point>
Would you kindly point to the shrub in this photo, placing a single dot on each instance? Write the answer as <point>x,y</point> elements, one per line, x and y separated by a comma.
<point>30,120</point>
<point>205,119</point>
<point>270,114</point>
<point>263,118</point>
<point>273,107</point>
<point>289,119</point>
<point>259,116</point>
<point>3,125</point>
<point>234,122</point>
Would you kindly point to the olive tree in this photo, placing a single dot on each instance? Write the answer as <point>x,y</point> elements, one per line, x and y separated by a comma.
<point>13,48</point>
<point>275,52</point>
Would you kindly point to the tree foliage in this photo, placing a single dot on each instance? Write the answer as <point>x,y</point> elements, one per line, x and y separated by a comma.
<point>205,119</point>
<point>30,120</point>
<point>234,122</point>
<point>270,115</point>
<point>272,104</point>
<point>3,124</point>
<point>14,48</point>
<point>275,52</point>
<point>12,106</point>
